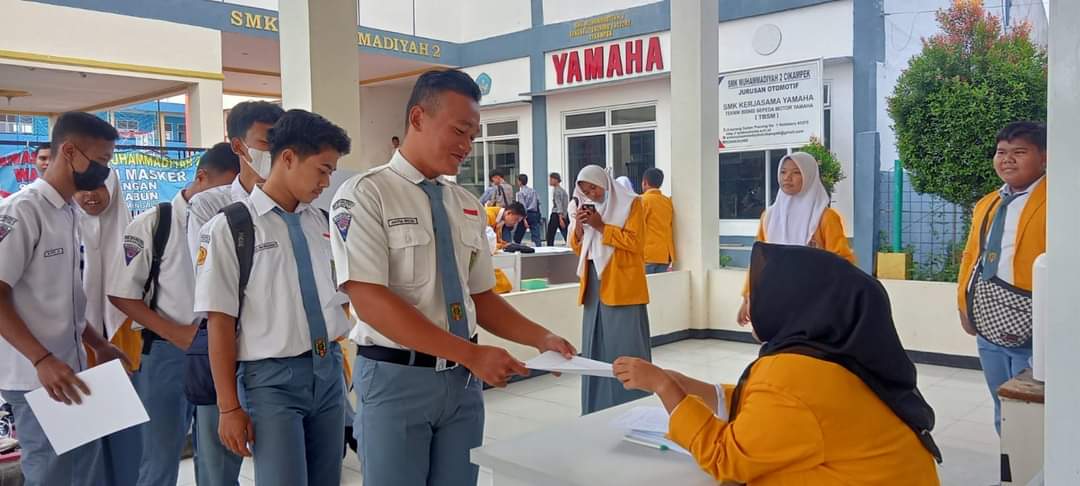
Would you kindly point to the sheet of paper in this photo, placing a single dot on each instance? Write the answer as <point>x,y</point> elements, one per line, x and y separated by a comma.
<point>552,361</point>
<point>552,249</point>
<point>111,406</point>
<point>645,419</point>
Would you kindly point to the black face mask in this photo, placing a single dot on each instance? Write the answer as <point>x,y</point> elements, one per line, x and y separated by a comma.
<point>93,177</point>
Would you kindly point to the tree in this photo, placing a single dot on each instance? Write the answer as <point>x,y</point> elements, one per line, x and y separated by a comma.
<point>828,165</point>
<point>968,82</point>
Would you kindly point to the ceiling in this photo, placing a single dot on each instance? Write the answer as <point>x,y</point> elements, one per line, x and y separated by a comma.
<point>57,91</point>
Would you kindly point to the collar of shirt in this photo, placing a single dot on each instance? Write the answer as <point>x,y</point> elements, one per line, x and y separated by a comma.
<point>652,191</point>
<point>1007,191</point>
<point>406,169</point>
<point>263,204</point>
<point>51,194</point>
<point>236,189</point>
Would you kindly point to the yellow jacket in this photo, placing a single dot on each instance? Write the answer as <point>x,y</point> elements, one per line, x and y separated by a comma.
<point>1030,240</point>
<point>623,281</point>
<point>806,422</point>
<point>829,236</point>
<point>659,227</point>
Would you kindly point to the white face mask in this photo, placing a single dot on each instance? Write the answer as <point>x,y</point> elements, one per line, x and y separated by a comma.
<point>260,162</point>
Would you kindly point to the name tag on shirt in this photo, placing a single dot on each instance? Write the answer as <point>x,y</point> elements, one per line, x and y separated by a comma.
<point>402,221</point>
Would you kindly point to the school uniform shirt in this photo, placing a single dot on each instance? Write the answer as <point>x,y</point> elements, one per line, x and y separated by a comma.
<point>502,194</point>
<point>659,227</point>
<point>528,198</point>
<point>560,201</point>
<point>383,235</point>
<point>1008,236</point>
<point>274,324</point>
<point>623,281</point>
<point>205,205</point>
<point>39,241</point>
<point>177,279</point>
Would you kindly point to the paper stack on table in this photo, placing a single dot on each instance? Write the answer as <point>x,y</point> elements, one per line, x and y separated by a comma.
<point>552,361</point>
<point>111,406</point>
<point>647,426</point>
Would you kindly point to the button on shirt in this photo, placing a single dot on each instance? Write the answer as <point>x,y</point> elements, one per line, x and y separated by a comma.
<point>1008,236</point>
<point>40,247</point>
<point>528,198</point>
<point>382,234</point>
<point>177,278</point>
<point>205,205</point>
<point>273,324</point>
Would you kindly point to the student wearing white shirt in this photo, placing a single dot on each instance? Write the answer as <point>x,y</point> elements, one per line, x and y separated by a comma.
<point>283,351</point>
<point>410,250</point>
<point>247,127</point>
<point>43,331</point>
<point>163,308</point>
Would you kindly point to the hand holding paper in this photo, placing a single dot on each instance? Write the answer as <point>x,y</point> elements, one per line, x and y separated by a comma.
<point>552,361</point>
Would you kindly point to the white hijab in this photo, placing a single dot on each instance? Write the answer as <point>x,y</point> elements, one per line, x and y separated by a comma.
<point>102,238</point>
<point>793,220</point>
<point>614,210</point>
<point>625,182</point>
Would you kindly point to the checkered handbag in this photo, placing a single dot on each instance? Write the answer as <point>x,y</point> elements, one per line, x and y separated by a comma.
<point>1001,312</point>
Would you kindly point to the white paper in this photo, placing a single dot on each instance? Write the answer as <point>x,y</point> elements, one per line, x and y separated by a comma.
<point>552,249</point>
<point>111,406</point>
<point>552,361</point>
<point>645,419</point>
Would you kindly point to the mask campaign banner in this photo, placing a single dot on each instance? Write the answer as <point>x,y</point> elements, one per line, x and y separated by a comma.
<point>17,170</point>
<point>147,178</point>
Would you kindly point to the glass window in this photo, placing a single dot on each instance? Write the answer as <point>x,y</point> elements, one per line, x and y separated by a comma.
<point>629,116</point>
<point>742,185</point>
<point>472,169</point>
<point>503,156</point>
<point>585,150</point>
<point>775,157</point>
<point>502,128</point>
<point>632,154</point>
<point>586,120</point>
<point>17,124</point>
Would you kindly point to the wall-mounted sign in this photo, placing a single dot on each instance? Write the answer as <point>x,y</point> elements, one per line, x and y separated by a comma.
<point>501,82</point>
<point>599,28</point>
<point>484,82</point>
<point>364,38</point>
<point>773,107</point>
<point>608,61</point>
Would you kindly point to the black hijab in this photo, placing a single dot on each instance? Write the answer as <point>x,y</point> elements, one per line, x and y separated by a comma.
<point>812,302</point>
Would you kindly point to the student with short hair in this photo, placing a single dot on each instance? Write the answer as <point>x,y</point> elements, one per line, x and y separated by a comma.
<point>527,197</point>
<point>155,287</point>
<point>283,350</point>
<point>499,193</point>
<point>1008,232</point>
<point>560,214</point>
<point>659,223</point>
<point>43,336</point>
<point>42,154</point>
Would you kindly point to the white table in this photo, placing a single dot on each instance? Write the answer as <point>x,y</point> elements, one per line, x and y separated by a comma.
<point>586,451</point>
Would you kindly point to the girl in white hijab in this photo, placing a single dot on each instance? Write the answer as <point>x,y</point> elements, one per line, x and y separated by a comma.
<point>800,216</point>
<point>625,182</point>
<point>608,232</point>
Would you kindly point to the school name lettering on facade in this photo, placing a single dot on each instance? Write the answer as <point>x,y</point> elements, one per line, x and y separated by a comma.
<point>269,23</point>
<point>615,60</point>
<point>599,28</point>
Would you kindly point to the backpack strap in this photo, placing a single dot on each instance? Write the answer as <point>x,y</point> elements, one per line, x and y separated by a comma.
<point>161,238</point>
<point>243,232</point>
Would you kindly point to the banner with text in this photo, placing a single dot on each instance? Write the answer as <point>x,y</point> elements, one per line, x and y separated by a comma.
<point>773,107</point>
<point>17,170</point>
<point>147,178</point>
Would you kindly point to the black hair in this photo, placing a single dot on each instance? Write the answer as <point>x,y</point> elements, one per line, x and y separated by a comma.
<point>42,146</point>
<point>654,176</point>
<point>523,179</point>
<point>496,173</point>
<point>431,84</point>
<point>516,208</point>
<point>395,137</point>
<point>556,176</point>
<point>307,133</point>
<point>77,123</point>
<point>220,159</point>
<point>1033,132</point>
<point>244,115</point>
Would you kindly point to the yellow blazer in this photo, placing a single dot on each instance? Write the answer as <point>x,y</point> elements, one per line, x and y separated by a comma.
<point>806,422</point>
<point>829,236</point>
<point>1030,240</point>
<point>623,281</point>
<point>659,227</point>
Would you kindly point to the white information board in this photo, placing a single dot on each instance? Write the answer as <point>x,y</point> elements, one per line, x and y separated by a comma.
<point>771,107</point>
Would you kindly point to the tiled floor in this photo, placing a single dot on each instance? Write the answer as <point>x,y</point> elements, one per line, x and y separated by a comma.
<point>965,427</point>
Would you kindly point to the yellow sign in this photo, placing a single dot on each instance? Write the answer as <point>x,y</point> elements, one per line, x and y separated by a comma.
<point>599,28</point>
<point>269,23</point>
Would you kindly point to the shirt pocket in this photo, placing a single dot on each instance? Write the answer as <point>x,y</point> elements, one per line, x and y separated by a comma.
<point>473,243</point>
<point>410,256</point>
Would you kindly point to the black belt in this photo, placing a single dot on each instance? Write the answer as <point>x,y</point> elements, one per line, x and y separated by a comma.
<point>402,356</point>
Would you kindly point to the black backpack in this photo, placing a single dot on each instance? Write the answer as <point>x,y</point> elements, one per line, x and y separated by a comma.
<point>161,238</point>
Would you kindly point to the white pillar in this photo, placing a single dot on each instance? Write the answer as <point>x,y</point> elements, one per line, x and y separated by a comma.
<point>1063,331</point>
<point>205,114</point>
<point>320,69</point>
<point>695,130</point>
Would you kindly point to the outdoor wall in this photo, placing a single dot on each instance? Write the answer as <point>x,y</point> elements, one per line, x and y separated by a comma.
<point>825,30</point>
<point>447,21</point>
<point>382,114</point>
<point>556,11</point>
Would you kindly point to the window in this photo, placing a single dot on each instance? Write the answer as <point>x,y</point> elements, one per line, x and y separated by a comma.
<point>826,128</point>
<point>744,177</point>
<point>175,131</point>
<point>627,144</point>
<point>132,125</point>
<point>497,148</point>
<point>20,124</point>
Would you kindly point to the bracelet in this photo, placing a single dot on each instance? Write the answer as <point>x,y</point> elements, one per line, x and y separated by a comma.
<point>230,410</point>
<point>39,360</point>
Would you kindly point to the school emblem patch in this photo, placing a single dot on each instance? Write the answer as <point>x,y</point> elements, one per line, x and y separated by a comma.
<point>456,313</point>
<point>342,221</point>
<point>201,257</point>
<point>7,225</point>
<point>320,347</point>
<point>132,247</point>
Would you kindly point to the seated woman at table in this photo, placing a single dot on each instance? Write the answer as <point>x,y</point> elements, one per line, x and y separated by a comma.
<point>831,399</point>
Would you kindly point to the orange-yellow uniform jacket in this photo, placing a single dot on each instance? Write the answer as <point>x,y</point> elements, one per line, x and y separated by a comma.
<point>623,281</point>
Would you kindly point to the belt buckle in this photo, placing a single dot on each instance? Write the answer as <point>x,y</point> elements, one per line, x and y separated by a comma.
<point>440,365</point>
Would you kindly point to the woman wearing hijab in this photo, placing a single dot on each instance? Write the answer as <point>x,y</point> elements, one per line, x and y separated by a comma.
<point>800,216</point>
<point>608,232</point>
<point>102,221</point>
<point>626,182</point>
<point>830,400</point>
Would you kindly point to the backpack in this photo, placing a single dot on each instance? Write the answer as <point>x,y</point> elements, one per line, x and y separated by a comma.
<point>161,238</point>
